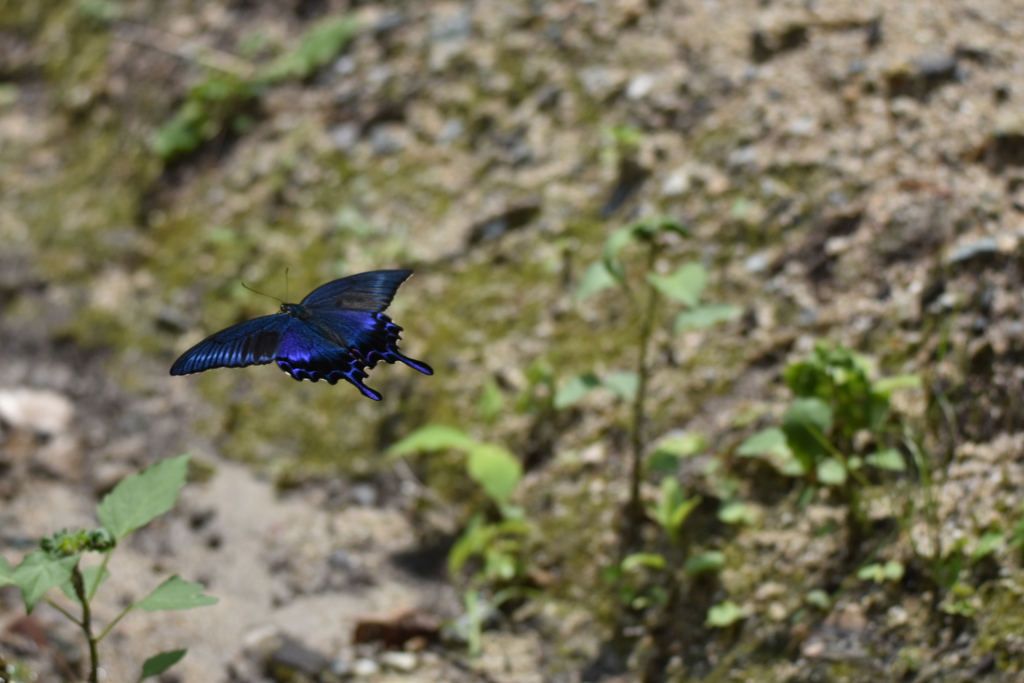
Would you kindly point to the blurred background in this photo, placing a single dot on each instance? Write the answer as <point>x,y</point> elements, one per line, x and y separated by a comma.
<point>723,301</point>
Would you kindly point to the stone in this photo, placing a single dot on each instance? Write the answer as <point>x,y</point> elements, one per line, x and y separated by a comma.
<point>365,667</point>
<point>43,412</point>
<point>404,662</point>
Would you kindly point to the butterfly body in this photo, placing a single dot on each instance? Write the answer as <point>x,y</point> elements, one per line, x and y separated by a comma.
<point>335,333</point>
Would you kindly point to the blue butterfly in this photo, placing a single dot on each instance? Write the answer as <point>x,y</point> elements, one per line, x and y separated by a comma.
<point>337,332</point>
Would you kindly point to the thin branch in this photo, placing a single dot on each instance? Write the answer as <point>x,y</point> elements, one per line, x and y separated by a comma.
<point>112,624</point>
<point>188,50</point>
<point>63,611</point>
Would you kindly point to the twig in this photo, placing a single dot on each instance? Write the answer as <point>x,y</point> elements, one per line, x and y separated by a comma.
<point>189,50</point>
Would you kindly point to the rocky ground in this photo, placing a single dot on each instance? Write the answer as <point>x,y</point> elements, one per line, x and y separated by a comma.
<point>850,171</point>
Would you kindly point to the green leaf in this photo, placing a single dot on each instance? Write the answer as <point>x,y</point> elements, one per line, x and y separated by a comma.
<point>989,542</point>
<point>616,241</point>
<point>492,401</point>
<point>6,572</point>
<point>888,459</point>
<point>470,543</point>
<point>496,470</point>
<point>870,572</point>
<point>623,384</point>
<point>318,47</point>
<point>433,438</point>
<point>596,278</point>
<point>707,561</point>
<point>157,664</point>
<point>142,497</point>
<point>893,570</point>
<point>737,512</point>
<point>725,614</point>
<point>175,593</point>
<point>831,471</point>
<point>805,423</point>
<point>887,385</point>
<point>706,316</point>
<point>685,285</point>
<point>575,389</point>
<point>39,572</point>
<point>652,560</point>
<point>818,598</point>
<point>88,578</point>
<point>771,441</point>
<point>665,459</point>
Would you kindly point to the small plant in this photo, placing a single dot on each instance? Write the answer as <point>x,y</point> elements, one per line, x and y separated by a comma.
<point>226,100</point>
<point>685,286</point>
<point>133,503</point>
<point>836,400</point>
<point>497,547</point>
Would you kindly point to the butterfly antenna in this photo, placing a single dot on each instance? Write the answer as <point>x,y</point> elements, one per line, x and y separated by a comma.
<point>286,283</point>
<point>260,293</point>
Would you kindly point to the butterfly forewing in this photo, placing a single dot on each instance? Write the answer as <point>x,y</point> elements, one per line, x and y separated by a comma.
<point>254,342</point>
<point>371,292</point>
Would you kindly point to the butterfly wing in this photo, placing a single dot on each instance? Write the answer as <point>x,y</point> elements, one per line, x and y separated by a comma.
<point>254,342</point>
<point>370,292</point>
<point>341,344</point>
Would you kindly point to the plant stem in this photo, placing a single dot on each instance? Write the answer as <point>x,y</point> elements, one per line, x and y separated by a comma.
<point>63,611</point>
<point>112,624</point>
<point>635,510</point>
<point>99,575</point>
<point>79,583</point>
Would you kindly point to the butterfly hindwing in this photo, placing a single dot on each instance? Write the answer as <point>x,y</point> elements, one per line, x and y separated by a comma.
<point>370,292</point>
<point>254,342</point>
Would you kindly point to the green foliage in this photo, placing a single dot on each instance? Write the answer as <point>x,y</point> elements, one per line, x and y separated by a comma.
<point>496,470</point>
<point>217,102</point>
<point>140,498</point>
<point>652,560</point>
<point>221,100</point>
<point>173,594</point>
<point>665,459</point>
<point>134,502</point>
<point>672,507</point>
<point>835,399</point>
<point>890,571</point>
<point>725,614</point>
<point>492,403</point>
<point>157,664</point>
<point>707,561</point>
<point>318,48</point>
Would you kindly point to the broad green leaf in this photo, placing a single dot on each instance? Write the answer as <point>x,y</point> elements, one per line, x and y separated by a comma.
<point>6,572</point>
<point>39,572</point>
<point>831,471</point>
<point>157,664</point>
<point>888,459</point>
<point>681,512</point>
<point>665,458</point>
<point>893,570</point>
<point>142,497</point>
<point>706,316</point>
<point>870,572</point>
<point>433,438</point>
<point>707,561</point>
<point>725,614</point>
<point>88,578</point>
<point>652,560</point>
<point>818,598</point>
<point>175,593</point>
<point>596,278</point>
<point>671,497</point>
<point>737,512</point>
<point>492,401</point>
<point>617,240</point>
<point>887,385</point>
<point>685,285</point>
<point>575,389</point>
<point>990,541</point>
<point>623,384</point>
<point>771,441</point>
<point>470,543</point>
<point>496,470</point>
<point>806,422</point>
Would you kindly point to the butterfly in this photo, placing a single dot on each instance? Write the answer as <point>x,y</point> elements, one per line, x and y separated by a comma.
<point>335,333</point>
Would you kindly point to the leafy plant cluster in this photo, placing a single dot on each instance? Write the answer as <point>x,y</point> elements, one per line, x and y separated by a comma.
<point>839,424</point>
<point>133,503</point>
<point>227,101</point>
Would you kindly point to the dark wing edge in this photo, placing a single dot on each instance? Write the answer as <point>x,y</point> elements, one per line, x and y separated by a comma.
<point>371,292</point>
<point>254,342</point>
